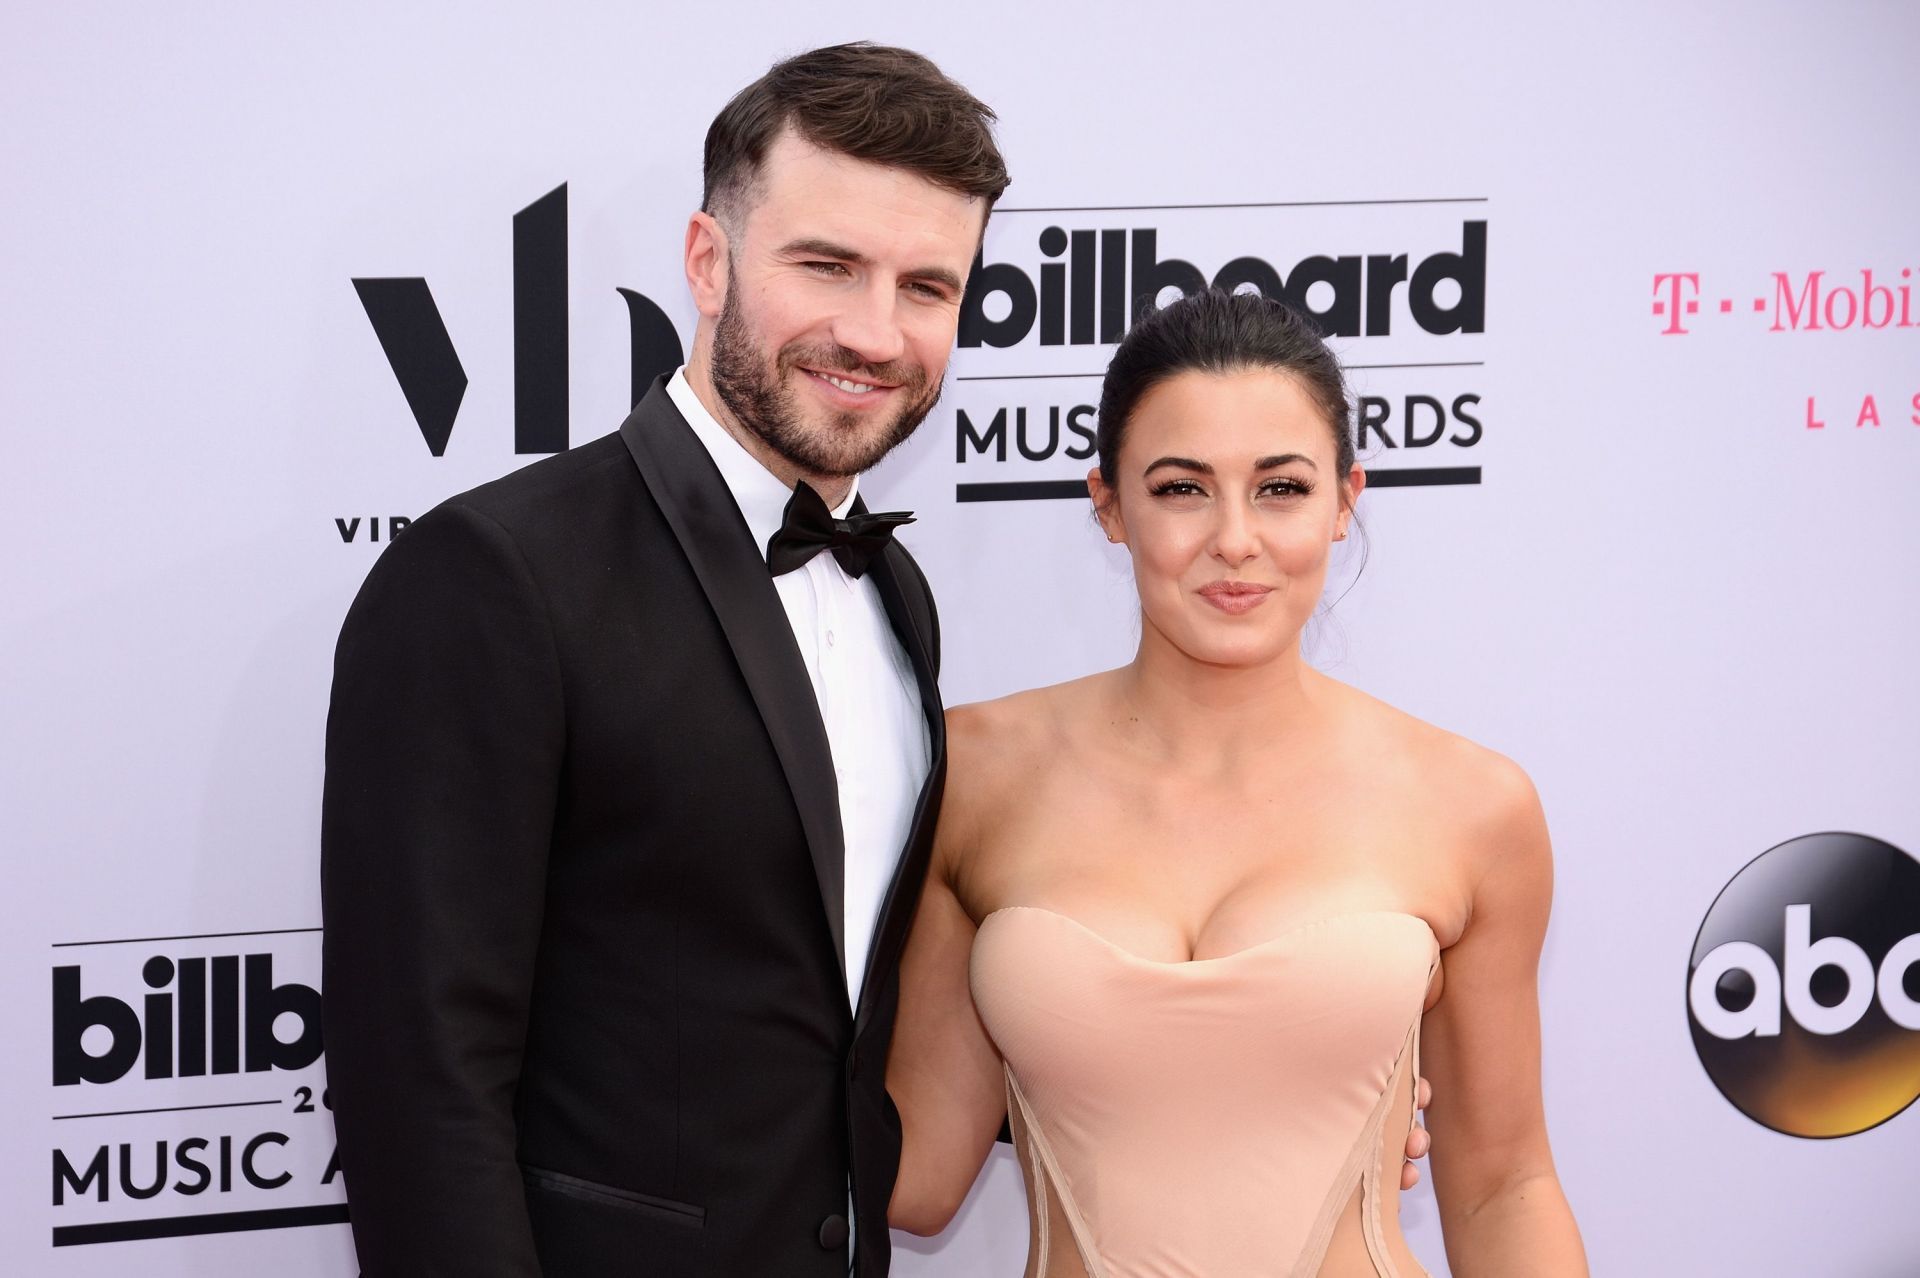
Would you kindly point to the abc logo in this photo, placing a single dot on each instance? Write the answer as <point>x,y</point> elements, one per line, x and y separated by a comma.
<point>1804,986</point>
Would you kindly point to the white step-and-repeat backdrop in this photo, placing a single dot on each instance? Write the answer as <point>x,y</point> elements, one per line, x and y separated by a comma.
<point>1629,300</point>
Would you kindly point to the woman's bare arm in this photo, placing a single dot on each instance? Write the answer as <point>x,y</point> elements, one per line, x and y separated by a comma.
<point>943,1072</point>
<point>1501,1205</point>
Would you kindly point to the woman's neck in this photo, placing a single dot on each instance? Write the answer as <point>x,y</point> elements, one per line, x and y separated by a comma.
<point>1213,718</point>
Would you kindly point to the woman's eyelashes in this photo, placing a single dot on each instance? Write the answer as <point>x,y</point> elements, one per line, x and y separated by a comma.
<point>1285,486</point>
<point>1177,488</point>
<point>1279,487</point>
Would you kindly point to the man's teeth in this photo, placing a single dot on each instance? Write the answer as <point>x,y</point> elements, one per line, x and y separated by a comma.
<point>852,388</point>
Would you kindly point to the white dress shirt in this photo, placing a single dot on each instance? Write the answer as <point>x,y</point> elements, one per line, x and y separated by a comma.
<point>862,680</point>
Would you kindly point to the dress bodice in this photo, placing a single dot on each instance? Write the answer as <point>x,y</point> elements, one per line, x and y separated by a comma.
<point>1214,1117</point>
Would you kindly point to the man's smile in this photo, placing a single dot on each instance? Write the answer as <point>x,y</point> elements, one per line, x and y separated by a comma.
<point>846,387</point>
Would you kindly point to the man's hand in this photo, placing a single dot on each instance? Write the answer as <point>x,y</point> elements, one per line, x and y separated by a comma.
<point>1418,1142</point>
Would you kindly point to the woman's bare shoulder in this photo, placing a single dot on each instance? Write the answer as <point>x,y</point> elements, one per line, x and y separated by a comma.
<point>989,740</point>
<point>1007,732</point>
<point>1456,782</point>
<point>999,753</point>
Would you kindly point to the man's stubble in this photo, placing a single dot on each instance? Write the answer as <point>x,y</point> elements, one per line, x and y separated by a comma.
<point>762,402</point>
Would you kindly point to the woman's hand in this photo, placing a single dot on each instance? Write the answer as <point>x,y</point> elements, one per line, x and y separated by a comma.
<point>1418,1142</point>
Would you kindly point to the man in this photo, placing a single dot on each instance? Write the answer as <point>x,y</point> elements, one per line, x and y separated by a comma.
<point>629,793</point>
<point>629,797</point>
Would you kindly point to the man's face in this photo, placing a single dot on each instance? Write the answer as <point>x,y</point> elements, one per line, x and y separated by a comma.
<point>842,299</point>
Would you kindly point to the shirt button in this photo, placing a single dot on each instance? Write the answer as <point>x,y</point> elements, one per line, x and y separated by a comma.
<point>829,638</point>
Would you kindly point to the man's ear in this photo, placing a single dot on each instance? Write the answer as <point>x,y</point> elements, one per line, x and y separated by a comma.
<point>707,264</point>
<point>1106,507</point>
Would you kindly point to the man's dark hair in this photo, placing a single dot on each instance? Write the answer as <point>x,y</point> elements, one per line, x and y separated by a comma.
<point>872,102</point>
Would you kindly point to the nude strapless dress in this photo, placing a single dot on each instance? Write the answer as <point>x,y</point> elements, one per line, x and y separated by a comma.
<point>1211,1118</point>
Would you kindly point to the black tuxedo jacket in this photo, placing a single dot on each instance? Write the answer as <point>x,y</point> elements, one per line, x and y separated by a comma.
<point>582,870</point>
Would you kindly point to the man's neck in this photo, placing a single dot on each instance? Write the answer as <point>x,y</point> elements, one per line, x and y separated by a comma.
<point>833,489</point>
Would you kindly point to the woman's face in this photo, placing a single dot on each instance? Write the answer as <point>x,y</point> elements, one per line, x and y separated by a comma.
<point>1227,498</point>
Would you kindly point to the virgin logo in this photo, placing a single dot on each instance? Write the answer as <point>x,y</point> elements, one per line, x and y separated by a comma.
<point>420,350</point>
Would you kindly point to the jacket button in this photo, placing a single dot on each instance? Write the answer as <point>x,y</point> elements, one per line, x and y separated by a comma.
<point>833,1232</point>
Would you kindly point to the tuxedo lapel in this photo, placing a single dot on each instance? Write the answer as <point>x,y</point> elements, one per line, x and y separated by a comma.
<point>913,623</point>
<point>708,525</point>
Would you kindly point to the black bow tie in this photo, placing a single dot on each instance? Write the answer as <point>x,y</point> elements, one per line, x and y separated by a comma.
<point>808,527</point>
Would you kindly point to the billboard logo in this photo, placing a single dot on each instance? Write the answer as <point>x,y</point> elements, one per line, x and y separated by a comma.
<point>1110,275</point>
<point>189,1094</point>
<point>1803,989</point>
<point>190,1023</point>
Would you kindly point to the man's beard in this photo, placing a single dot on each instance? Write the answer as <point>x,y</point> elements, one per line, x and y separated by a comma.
<point>761,400</point>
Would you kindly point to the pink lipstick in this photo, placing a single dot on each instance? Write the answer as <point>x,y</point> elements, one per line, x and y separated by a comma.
<point>1235,597</point>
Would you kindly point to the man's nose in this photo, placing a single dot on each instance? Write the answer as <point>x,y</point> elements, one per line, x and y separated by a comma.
<point>869,324</point>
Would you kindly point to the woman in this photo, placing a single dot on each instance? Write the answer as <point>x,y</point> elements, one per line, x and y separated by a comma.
<point>1184,917</point>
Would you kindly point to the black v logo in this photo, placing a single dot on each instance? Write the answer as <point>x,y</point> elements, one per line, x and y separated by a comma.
<point>415,339</point>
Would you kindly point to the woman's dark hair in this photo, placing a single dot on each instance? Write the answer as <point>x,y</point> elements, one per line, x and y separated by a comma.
<point>873,102</point>
<point>1214,331</point>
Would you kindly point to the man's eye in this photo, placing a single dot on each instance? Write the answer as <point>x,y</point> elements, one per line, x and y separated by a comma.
<point>825,268</point>
<point>931,292</point>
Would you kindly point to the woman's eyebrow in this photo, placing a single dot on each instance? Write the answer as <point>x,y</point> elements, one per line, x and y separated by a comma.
<point>1281,459</point>
<point>1265,463</point>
